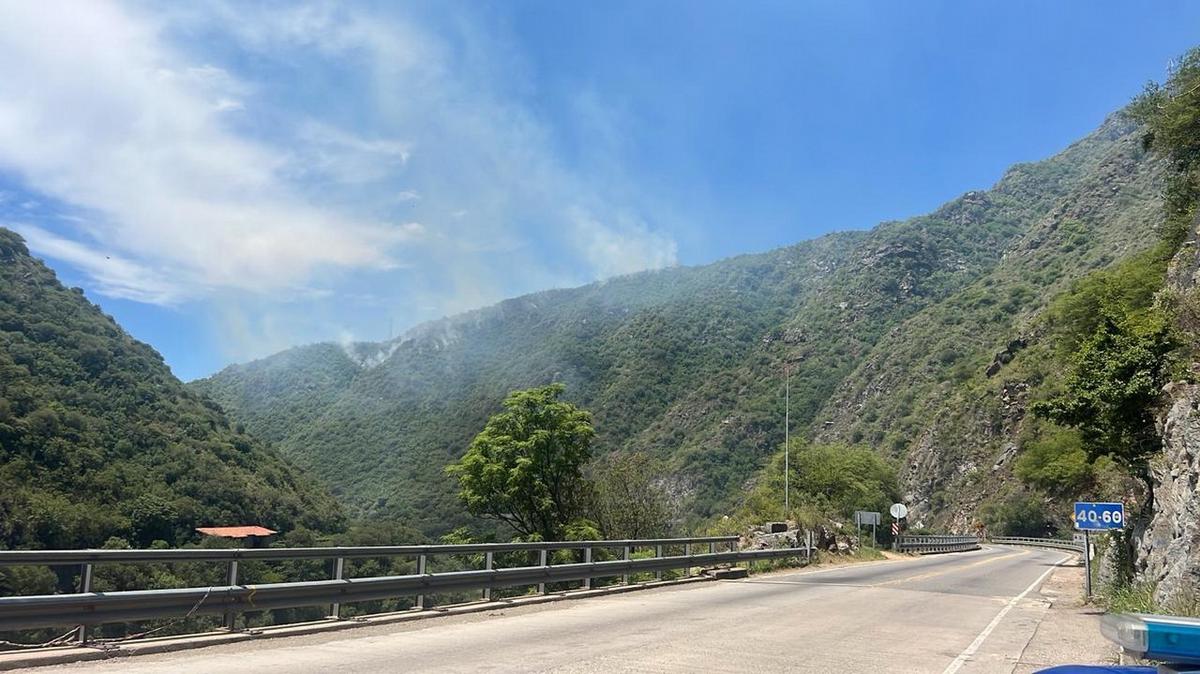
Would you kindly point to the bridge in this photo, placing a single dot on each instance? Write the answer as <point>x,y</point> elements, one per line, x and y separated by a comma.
<point>975,608</point>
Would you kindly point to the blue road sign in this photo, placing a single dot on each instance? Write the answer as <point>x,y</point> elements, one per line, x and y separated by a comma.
<point>1099,516</point>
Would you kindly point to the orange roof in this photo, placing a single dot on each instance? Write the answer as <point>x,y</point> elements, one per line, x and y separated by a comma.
<point>236,532</point>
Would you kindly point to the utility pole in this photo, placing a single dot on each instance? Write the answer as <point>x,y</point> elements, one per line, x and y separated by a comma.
<point>787,448</point>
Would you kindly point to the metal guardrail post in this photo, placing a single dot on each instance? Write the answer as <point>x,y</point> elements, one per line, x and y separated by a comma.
<point>85,586</point>
<point>543,558</point>
<point>487,565</point>
<point>587,559</point>
<point>628,552</point>
<point>657,554</point>
<point>339,564</point>
<point>421,563</point>
<point>231,580</point>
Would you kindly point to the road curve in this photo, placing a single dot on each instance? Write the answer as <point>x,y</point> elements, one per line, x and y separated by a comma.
<point>964,612</point>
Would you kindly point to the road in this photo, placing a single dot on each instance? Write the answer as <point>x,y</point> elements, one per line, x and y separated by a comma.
<point>965,612</point>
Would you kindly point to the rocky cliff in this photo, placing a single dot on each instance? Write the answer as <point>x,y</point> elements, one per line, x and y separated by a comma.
<point>1168,547</point>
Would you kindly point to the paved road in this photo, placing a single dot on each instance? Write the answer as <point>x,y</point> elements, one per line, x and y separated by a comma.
<point>966,612</point>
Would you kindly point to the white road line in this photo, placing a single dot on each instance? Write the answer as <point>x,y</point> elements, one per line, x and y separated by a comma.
<point>970,650</point>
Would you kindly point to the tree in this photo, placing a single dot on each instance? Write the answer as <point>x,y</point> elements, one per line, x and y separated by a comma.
<point>1017,515</point>
<point>525,467</point>
<point>627,499</point>
<point>1056,463</point>
<point>1115,382</point>
<point>842,479</point>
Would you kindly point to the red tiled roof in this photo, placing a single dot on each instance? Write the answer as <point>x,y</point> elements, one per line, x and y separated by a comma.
<point>236,532</point>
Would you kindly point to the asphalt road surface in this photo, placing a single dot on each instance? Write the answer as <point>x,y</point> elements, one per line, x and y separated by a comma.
<point>964,612</point>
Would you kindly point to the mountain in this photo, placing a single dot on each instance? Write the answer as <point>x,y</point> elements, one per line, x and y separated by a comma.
<point>947,390</point>
<point>889,335</point>
<point>98,439</point>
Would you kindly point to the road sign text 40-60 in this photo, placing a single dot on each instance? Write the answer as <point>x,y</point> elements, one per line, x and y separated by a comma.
<point>1098,516</point>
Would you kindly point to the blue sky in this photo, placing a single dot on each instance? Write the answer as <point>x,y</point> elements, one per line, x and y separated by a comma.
<point>229,179</point>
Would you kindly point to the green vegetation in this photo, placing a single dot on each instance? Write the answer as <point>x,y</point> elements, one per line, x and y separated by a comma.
<point>1120,341</point>
<point>525,468</point>
<point>1117,332</point>
<point>1116,379</point>
<point>838,479</point>
<point>889,333</point>
<point>1117,336</point>
<point>627,497</point>
<point>1171,113</point>
<point>1140,597</point>
<point>1057,464</point>
<point>1020,514</point>
<point>99,442</point>
<point>826,482</point>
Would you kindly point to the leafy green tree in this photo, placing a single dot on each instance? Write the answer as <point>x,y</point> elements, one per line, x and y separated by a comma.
<point>1115,381</point>
<point>1056,463</point>
<point>627,499</point>
<point>841,479</point>
<point>526,467</point>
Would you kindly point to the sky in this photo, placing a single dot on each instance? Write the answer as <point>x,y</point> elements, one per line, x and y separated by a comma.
<point>230,179</point>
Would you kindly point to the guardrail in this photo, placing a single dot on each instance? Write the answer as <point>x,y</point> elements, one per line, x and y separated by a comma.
<point>1056,543</point>
<point>926,545</point>
<point>96,556</point>
<point>88,608</point>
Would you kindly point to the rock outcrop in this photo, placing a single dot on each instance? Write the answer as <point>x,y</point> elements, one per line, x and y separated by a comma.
<point>1169,548</point>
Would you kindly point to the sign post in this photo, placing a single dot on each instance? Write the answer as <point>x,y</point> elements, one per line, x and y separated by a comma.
<point>863,517</point>
<point>898,511</point>
<point>1091,517</point>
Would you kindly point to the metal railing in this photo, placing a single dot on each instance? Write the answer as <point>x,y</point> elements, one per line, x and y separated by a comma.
<point>925,545</point>
<point>88,608</point>
<point>1056,543</point>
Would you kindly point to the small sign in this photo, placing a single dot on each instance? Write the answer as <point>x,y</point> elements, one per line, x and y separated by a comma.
<point>864,517</point>
<point>1099,516</point>
<point>898,511</point>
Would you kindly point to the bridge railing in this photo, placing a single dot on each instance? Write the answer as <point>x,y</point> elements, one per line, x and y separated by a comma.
<point>925,545</point>
<point>1056,543</point>
<point>88,608</point>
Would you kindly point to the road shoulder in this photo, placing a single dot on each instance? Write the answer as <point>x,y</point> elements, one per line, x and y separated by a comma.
<point>1070,630</point>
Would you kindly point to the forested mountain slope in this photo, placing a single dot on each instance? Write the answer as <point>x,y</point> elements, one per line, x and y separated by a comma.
<point>947,391</point>
<point>98,439</point>
<point>885,331</point>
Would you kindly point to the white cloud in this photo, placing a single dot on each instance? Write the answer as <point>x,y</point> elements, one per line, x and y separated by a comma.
<point>97,112</point>
<point>213,148</point>
<point>334,154</point>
